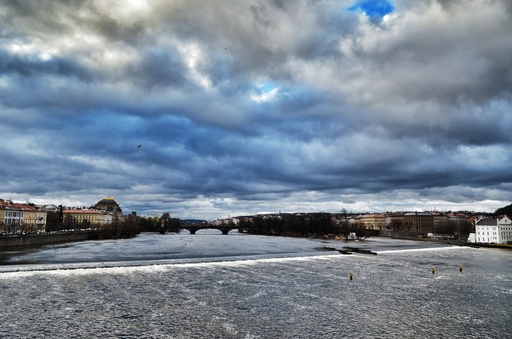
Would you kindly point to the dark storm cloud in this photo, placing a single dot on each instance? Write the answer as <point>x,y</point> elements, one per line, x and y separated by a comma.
<point>445,53</point>
<point>247,107</point>
<point>159,67</point>
<point>32,67</point>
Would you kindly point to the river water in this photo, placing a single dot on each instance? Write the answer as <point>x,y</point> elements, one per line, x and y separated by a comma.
<point>244,286</point>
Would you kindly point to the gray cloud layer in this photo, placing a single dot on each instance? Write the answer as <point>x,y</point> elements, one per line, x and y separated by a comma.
<point>254,106</point>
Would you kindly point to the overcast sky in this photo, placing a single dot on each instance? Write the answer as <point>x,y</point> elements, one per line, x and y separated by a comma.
<point>255,106</point>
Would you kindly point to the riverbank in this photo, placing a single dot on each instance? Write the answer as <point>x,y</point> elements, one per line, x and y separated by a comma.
<point>30,240</point>
<point>495,246</point>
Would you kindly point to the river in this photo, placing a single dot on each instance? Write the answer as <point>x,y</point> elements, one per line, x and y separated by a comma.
<point>245,286</point>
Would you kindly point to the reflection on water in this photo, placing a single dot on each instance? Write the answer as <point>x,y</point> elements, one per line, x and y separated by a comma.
<point>257,287</point>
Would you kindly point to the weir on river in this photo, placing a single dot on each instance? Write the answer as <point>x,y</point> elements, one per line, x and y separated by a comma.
<point>249,286</point>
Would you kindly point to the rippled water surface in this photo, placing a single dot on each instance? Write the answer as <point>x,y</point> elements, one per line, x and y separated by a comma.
<point>240,286</point>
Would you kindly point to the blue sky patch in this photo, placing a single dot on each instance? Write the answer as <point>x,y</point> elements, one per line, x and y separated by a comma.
<point>373,8</point>
<point>265,91</point>
<point>267,87</point>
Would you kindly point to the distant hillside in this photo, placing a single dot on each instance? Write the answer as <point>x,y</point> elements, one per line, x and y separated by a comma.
<point>504,210</point>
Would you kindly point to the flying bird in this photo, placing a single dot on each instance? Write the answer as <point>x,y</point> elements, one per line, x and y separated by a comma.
<point>139,146</point>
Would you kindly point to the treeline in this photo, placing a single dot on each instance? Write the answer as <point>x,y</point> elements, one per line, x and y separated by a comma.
<point>507,210</point>
<point>127,227</point>
<point>121,227</point>
<point>456,227</point>
<point>303,225</point>
<point>163,223</point>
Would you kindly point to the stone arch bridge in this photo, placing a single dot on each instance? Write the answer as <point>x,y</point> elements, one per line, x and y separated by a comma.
<point>193,228</point>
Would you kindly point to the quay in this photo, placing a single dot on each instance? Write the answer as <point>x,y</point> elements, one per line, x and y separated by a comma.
<point>27,240</point>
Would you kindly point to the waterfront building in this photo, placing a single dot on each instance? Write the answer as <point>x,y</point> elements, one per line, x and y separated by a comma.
<point>18,218</point>
<point>395,221</point>
<point>493,231</point>
<point>439,221</point>
<point>372,221</point>
<point>34,218</point>
<point>11,217</point>
<point>419,222</point>
<point>87,218</point>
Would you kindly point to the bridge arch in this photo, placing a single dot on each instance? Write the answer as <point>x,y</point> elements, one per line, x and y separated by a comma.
<point>193,228</point>
<point>223,229</point>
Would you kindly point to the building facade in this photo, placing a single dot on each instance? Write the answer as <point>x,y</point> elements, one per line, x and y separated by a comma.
<point>372,221</point>
<point>493,231</point>
<point>34,219</point>
<point>86,218</point>
<point>16,218</point>
<point>19,218</point>
<point>439,222</point>
<point>419,222</point>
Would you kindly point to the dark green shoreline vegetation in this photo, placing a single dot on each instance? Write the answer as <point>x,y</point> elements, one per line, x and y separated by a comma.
<point>122,226</point>
<point>303,225</point>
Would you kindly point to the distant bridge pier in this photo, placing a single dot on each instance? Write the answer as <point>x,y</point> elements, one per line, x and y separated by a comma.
<point>225,230</point>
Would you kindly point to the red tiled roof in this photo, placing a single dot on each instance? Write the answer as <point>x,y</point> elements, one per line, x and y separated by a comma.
<point>17,206</point>
<point>82,212</point>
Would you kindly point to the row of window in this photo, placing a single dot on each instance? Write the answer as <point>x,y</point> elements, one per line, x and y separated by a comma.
<point>503,235</point>
<point>486,239</point>
<point>13,214</point>
<point>494,233</point>
<point>13,221</point>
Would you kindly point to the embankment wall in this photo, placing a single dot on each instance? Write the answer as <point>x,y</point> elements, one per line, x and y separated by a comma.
<point>43,239</point>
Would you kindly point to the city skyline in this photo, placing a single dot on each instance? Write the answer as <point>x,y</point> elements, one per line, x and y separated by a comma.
<point>204,109</point>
